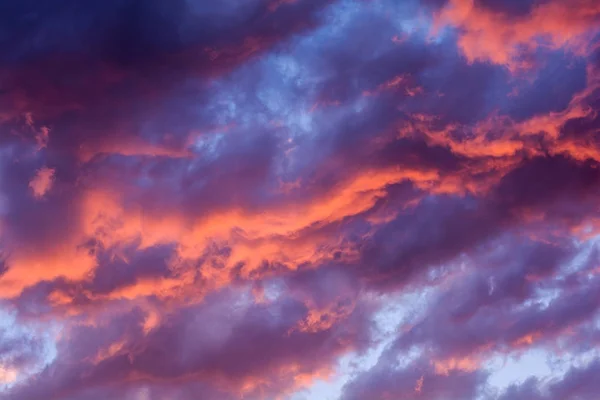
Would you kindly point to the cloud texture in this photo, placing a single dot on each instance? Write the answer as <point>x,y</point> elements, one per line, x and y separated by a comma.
<point>299,199</point>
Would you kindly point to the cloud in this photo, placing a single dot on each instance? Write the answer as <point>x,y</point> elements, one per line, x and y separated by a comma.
<point>222,198</point>
<point>399,382</point>
<point>246,348</point>
<point>42,182</point>
<point>505,34</point>
<point>578,382</point>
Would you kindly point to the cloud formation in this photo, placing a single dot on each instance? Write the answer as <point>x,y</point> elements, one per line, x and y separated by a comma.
<point>236,201</point>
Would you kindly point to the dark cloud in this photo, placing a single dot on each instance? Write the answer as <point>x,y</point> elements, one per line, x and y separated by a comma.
<point>514,8</point>
<point>547,183</point>
<point>94,73</point>
<point>550,90</point>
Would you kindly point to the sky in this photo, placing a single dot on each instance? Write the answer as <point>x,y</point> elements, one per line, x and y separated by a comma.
<point>299,199</point>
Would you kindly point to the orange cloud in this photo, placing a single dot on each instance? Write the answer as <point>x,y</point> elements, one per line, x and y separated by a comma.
<point>258,236</point>
<point>109,352</point>
<point>43,137</point>
<point>466,364</point>
<point>151,321</point>
<point>26,268</point>
<point>302,379</point>
<point>42,182</point>
<point>8,375</point>
<point>419,385</point>
<point>528,339</point>
<point>267,235</point>
<point>489,36</point>
<point>322,319</point>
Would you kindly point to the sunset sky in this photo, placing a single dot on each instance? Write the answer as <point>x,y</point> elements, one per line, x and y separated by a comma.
<point>299,199</point>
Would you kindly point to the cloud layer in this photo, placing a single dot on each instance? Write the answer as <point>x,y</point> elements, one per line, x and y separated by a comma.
<point>299,199</point>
